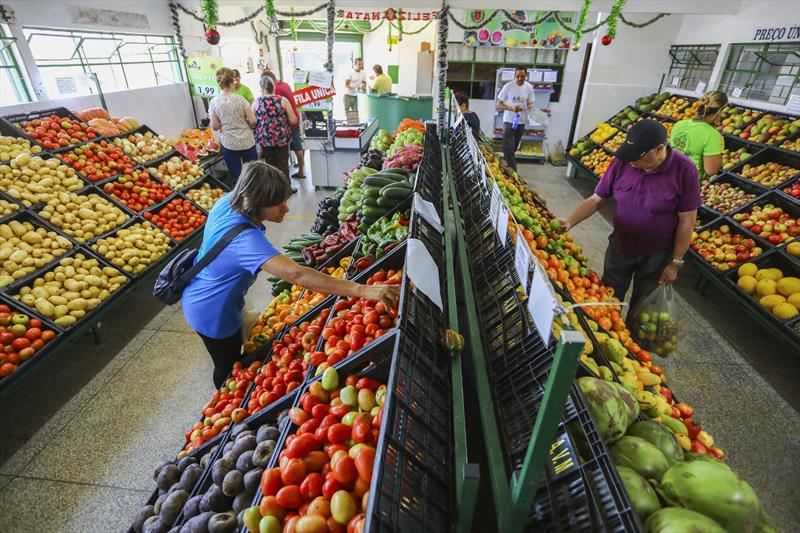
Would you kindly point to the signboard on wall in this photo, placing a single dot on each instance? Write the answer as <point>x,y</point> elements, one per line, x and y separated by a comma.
<point>308,97</point>
<point>779,33</point>
<point>202,74</point>
<point>500,31</point>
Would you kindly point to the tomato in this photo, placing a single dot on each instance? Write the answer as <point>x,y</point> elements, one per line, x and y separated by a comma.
<point>302,445</point>
<point>357,524</point>
<point>293,471</point>
<point>34,323</point>
<point>315,460</point>
<point>6,369</point>
<point>362,432</point>
<point>289,497</point>
<point>338,433</point>
<point>269,506</point>
<point>6,338</point>
<point>364,461</point>
<point>330,487</point>
<point>20,343</point>
<point>344,471</point>
<point>271,481</point>
<point>311,487</point>
<point>311,523</point>
<point>297,415</point>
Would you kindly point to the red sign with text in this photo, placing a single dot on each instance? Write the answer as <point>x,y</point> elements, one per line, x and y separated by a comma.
<point>310,94</point>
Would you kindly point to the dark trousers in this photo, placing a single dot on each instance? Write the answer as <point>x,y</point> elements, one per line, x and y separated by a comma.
<point>224,352</point>
<point>511,140</point>
<point>234,159</point>
<point>277,156</point>
<point>645,270</point>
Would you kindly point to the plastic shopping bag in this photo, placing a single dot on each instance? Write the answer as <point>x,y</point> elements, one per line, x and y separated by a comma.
<point>654,324</point>
<point>250,316</point>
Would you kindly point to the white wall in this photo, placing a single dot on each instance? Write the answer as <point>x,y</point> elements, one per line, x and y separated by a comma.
<point>403,54</point>
<point>56,14</point>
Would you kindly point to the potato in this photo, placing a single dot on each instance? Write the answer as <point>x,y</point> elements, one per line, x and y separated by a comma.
<point>65,321</point>
<point>24,247</point>
<point>84,216</point>
<point>44,307</point>
<point>133,248</point>
<point>60,310</point>
<point>34,180</point>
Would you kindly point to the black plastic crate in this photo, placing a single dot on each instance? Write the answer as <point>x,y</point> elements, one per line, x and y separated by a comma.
<point>144,129</point>
<point>734,229</point>
<point>61,112</point>
<point>628,109</point>
<point>689,101</point>
<point>89,190</point>
<point>746,185</point>
<point>771,156</point>
<point>67,151</point>
<point>14,288</point>
<point>786,203</point>
<point>93,243</point>
<point>781,116</point>
<point>152,178</point>
<point>213,182</point>
<point>156,209</point>
<point>774,259</point>
<point>734,143</point>
<point>13,204</point>
<point>152,168</point>
<point>82,183</point>
<point>428,183</point>
<point>705,216</point>
<point>274,415</point>
<point>7,129</point>
<point>345,251</point>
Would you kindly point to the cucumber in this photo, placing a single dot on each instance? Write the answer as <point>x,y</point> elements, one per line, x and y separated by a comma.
<point>374,212</point>
<point>399,171</point>
<point>387,202</point>
<point>404,186</point>
<point>371,202</point>
<point>379,181</point>
<point>311,237</point>
<point>395,194</point>
<point>372,192</point>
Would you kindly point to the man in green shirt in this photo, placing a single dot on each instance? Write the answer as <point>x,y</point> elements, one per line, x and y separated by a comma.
<point>241,90</point>
<point>382,83</point>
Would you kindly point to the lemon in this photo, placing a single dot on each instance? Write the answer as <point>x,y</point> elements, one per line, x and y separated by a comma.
<point>765,287</point>
<point>784,311</point>
<point>788,286</point>
<point>747,284</point>
<point>747,269</point>
<point>772,300</point>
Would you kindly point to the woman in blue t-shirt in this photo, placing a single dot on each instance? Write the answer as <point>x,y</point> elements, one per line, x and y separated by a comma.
<point>213,301</point>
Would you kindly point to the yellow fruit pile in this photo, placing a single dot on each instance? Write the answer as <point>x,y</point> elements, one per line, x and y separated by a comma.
<point>603,132</point>
<point>778,293</point>
<point>597,161</point>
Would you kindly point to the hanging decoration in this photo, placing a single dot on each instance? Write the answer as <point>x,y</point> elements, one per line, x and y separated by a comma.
<point>273,27</point>
<point>210,11</point>
<point>613,16</point>
<point>389,14</point>
<point>576,42</point>
<point>400,26</point>
<point>442,27</point>
<point>7,14</point>
<point>254,14</point>
<point>389,38</point>
<point>176,25</point>
<point>212,36</point>
<point>293,26</point>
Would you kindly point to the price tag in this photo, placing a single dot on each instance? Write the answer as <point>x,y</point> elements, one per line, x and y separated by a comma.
<point>320,78</point>
<point>676,81</point>
<point>701,87</point>
<point>793,105</point>
<point>428,212</point>
<point>494,206</point>
<point>502,221</point>
<point>299,76</point>
<point>422,271</point>
<point>541,303</point>
<point>484,181</point>
<point>563,458</point>
<point>206,91</point>
<point>736,92</point>
<point>522,260</point>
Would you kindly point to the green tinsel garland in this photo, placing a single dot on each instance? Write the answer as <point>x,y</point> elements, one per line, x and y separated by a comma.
<point>613,17</point>
<point>269,8</point>
<point>210,12</point>
<point>581,21</point>
<point>400,24</point>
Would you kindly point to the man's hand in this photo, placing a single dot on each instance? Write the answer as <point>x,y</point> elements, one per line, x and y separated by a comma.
<point>669,274</point>
<point>388,294</point>
<point>565,224</point>
<point>517,108</point>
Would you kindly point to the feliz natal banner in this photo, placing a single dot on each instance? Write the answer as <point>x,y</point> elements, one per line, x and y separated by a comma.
<point>389,14</point>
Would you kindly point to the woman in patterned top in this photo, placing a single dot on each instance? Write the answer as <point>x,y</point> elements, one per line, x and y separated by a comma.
<point>274,115</point>
<point>232,117</point>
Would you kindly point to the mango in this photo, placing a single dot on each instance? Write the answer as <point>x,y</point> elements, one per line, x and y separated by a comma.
<point>612,407</point>
<point>747,284</point>
<point>614,350</point>
<point>788,286</point>
<point>784,311</point>
<point>765,286</point>
<point>747,269</point>
<point>773,274</point>
<point>794,299</point>
<point>771,301</point>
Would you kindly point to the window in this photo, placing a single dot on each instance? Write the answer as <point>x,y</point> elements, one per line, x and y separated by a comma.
<point>764,72</point>
<point>13,89</point>
<point>120,61</point>
<point>691,64</point>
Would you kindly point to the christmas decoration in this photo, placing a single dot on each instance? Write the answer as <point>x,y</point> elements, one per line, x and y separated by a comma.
<point>212,36</point>
<point>389,14</point>
<point>273,26</point>
<point>576,47</point>
<point>210,15</point>
<point>579,27</point>
<point>606,40</point>
<point>441,87</point>
<point>613,16</point>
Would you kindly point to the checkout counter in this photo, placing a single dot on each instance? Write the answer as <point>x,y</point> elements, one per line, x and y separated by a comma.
<point>391,109</point>
<point>333,156</point>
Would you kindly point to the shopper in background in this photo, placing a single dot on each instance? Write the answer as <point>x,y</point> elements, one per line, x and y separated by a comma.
<point>241,90</point>
<point>698,137</point>
<point>233,118</point>
<point>213,300</point>
<point>657,196</point>
<point>275,117</point>
<point>470,117</point>
<point>515,100</point>
<point>296,145</point>
<point>381,83</point>
<point>355,83</point>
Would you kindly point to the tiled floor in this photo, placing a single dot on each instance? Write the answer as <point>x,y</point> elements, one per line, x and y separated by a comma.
<point>80,444</point>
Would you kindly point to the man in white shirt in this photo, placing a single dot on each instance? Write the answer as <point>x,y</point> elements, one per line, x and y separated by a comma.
<point>356,82</point>
<point>515,100</point>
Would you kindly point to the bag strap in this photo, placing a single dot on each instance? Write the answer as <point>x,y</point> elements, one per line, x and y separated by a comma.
<point>215,250</point>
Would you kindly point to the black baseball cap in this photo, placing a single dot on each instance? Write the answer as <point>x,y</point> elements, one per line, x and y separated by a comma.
<point>642,137</point>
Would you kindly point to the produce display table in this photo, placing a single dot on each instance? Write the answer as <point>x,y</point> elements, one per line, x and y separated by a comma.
<point>392,109</point>
<point>332,157</point>
<point>773,151</point>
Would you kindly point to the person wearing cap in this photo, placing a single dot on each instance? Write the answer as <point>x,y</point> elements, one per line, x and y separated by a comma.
<point>657,194</point>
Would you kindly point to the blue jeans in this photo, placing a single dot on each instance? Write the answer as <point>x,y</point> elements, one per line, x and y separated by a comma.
<point>234,159</point>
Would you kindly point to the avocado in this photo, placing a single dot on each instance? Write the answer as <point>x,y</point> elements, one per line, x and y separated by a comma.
<point>143,514</point>
<point>233,483</point>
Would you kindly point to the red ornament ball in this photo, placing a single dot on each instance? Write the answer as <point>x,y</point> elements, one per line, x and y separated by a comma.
<point>606,40</point>
<point>212,36</point>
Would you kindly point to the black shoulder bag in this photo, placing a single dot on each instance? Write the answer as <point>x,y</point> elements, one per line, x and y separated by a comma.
<point>179,272</point>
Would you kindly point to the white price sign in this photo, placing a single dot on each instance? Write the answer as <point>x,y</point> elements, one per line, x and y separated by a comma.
<point>676,80</point>
<point>428,212</point>
<point>701,87</point>
<point>736,92</point>
<point>522,260</point>
<point>207,91</point>
<point>320,78</point>
<point>793,106</point>
<point>502,221</point>
<point>422,271</point>
<point>542,304</point>
<point>494,206</point>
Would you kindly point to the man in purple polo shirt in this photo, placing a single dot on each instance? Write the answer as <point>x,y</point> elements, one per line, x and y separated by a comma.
<point>657,195</point>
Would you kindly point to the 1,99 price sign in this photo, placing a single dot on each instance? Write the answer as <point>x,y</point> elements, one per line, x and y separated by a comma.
<point>206,91</point>
<point>201,72</point>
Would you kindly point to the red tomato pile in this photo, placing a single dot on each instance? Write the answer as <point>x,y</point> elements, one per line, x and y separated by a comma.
<point>179,218</point>
<point>322,483</point>
<point>55,132</point>
<point>357,322</point>
<point>98,161</point>
<point>137,190</point>
<point>291,357</point>
<point>222,409</point>
<point>20,337</point>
